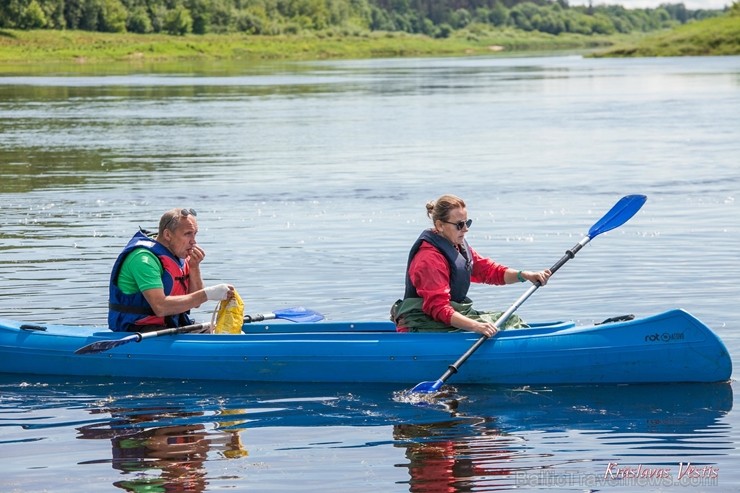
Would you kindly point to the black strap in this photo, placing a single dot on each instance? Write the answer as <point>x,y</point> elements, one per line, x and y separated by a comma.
<point>138,310</point>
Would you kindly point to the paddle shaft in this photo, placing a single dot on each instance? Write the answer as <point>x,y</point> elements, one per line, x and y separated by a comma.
<point>569,254</point>
<point>172,331</point>
<point>299,314</point>
<point>192,328</point>
<point>248,319</point>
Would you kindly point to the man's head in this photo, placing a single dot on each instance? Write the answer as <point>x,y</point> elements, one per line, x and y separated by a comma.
<point>177,231</point>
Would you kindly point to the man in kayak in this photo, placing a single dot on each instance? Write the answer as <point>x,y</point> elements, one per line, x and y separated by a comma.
<point>155,282</point>
<point>440,268</point>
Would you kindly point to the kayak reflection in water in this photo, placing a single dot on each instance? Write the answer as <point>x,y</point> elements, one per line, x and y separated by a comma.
<point>177,451</point>
<point>441,266</point>
<point>439,461</point>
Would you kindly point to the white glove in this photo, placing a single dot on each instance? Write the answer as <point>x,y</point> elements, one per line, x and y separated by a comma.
<point>217,292</point>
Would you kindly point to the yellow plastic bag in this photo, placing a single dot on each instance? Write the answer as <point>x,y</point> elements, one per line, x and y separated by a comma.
<point>229,316</point>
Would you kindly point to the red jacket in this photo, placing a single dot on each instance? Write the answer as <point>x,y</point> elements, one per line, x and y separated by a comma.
<point>430,275</point>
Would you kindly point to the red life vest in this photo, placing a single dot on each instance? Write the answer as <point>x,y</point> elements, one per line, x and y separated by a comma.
<point>126,312</point>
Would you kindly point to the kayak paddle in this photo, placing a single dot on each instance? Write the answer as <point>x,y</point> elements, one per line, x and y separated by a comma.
<point>298,314</point>
<point>622,211</point>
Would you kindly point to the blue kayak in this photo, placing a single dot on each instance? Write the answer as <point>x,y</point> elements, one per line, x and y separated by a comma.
<point>672,346</point>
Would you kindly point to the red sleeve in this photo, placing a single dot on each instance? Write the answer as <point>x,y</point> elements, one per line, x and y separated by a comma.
<point>430,275</point>
<point>487,271</point>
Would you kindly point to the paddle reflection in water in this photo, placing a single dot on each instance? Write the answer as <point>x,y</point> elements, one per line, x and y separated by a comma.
<point>161,456</point>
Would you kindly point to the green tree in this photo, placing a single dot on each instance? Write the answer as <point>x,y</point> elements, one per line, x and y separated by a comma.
<point>53,12</point>
<point>11,13</point>
<point>250,22</point>
<point>310,14</point>
<point>200,12</point>
<point>32,16</point>
<point>431,17</point>
<point>601,24</point>
<point>460,18</point>
<point>380,20</point>
<point>138,21</point>
<point>222,16</point>
<point>520,15</point>
<point>443,31</point>
<point>499,14</point>
<point>178,21</point>
<point>90,15</point>
<point>73,12</point>
<point>112,16</point>
<point>549,19</point>
<point>577,22</point>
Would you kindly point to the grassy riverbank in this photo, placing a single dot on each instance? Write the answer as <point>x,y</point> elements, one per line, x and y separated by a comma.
<point>82,47</point>
<point>716,36</point>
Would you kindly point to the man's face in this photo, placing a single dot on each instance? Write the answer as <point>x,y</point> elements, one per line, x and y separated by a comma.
<point>182,241</point>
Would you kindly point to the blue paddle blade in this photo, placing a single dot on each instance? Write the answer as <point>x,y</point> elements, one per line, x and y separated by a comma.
<point>100,346</point>
<point>618,215</point>
<point>428,387</point>
<point>298,314</point>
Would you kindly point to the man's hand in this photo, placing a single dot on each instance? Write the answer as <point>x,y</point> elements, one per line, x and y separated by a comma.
<point>219,292</point>
<point>197,254</point>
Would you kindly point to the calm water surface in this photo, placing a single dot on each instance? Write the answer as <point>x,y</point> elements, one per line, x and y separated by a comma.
<point>310,182</point>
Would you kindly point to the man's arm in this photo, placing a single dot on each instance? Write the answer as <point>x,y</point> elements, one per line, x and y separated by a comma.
<point>172,305</point>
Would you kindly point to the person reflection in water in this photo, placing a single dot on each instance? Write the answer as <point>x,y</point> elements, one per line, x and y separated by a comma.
<point>178,452</point>
<point>450,465</point>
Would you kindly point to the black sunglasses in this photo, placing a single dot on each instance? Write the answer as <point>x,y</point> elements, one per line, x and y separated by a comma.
<point>461,224</point>
<point>183,213</point>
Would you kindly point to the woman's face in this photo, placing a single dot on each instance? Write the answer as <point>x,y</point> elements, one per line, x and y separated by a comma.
<point>455,227</point>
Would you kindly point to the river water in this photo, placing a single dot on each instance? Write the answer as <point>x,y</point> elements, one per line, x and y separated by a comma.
<point>310,181</point>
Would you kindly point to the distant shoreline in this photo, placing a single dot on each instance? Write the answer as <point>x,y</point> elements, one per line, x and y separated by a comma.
<point>93,48</point>
<point>718,36</point>
<point>84,50</point>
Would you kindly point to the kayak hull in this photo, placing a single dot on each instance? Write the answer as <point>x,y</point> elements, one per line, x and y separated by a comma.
<point>672,346</point>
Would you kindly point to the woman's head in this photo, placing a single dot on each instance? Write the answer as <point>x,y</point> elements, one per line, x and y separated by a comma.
<point>450,218</point>
<point>439,210</point>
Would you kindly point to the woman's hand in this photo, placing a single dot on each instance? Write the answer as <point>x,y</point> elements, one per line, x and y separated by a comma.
<point>484,328</point>
<point>537,277</point>
<point>460,321</point>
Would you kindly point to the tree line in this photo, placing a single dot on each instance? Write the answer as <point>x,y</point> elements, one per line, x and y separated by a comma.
<point>436,18</point>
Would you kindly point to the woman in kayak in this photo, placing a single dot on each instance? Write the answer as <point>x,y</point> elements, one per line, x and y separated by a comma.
<point>440,268</point>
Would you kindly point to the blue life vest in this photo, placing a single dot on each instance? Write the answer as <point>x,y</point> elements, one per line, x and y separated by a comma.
<point>127,311</point>
<point>461,265</point>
